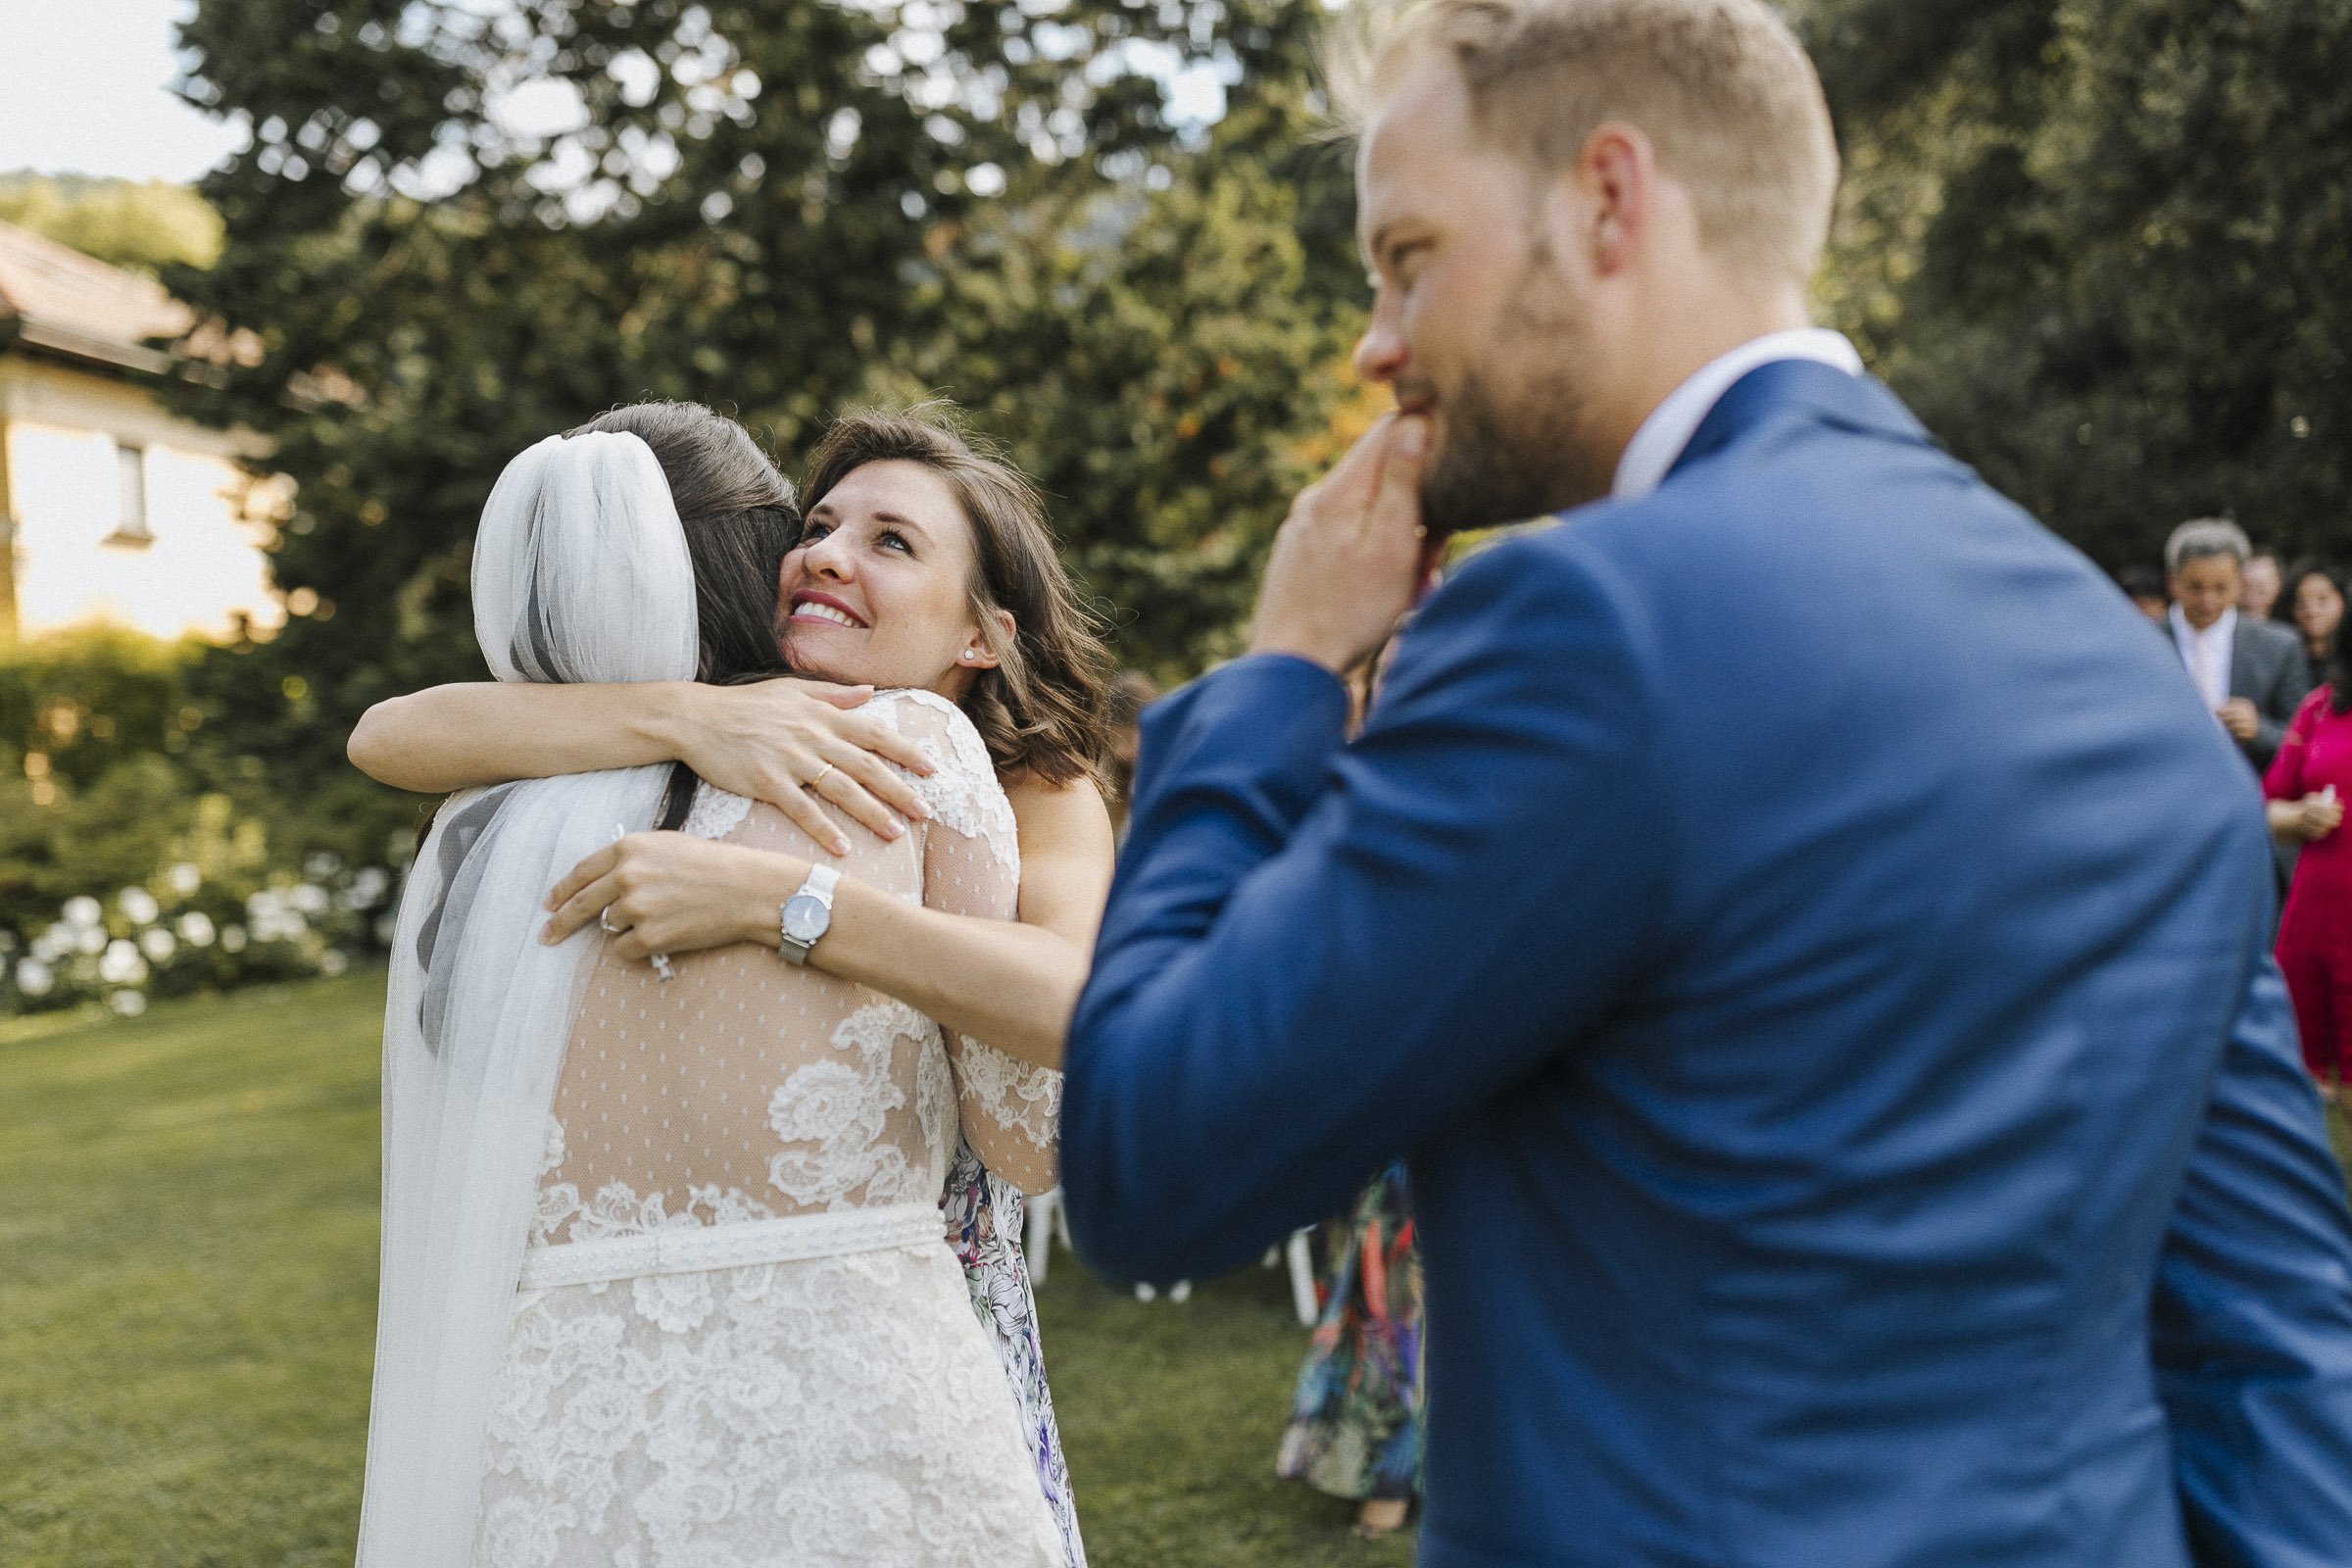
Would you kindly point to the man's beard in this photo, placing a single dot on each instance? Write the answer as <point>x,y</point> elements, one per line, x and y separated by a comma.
<point>1516,445</point>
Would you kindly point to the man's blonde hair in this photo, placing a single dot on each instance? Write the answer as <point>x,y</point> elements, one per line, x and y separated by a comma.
<point>1721,89</point>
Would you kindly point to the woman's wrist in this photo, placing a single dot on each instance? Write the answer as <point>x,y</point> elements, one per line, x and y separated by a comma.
<point>764,889</point>
<point>669,716</point>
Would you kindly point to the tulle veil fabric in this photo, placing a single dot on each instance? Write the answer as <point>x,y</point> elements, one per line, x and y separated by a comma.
<point>580,573</point>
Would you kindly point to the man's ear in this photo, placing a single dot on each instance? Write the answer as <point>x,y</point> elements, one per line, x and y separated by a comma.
<point>1597,211</point>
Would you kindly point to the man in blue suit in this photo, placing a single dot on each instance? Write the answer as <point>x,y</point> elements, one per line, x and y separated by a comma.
<point>1803,932</point>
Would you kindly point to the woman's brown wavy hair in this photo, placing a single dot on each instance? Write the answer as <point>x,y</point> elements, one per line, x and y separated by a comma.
<point>1043,710</point>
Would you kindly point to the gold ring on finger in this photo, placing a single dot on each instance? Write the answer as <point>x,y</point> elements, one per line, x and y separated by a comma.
<point>821,777</point>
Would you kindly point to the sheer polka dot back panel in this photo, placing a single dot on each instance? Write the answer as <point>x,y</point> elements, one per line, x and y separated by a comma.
<point>746,1087</point>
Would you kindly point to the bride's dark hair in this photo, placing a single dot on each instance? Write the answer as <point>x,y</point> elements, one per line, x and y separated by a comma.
<point>739,517</point>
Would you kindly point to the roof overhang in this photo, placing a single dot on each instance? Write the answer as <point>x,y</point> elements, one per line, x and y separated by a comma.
<point>88,348</point>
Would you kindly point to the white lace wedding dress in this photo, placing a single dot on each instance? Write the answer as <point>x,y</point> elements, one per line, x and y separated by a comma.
<point>741,1338</point>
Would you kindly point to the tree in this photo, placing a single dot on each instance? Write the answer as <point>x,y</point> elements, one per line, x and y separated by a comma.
<point>460,229</point>
<point>2101,244</point>
<point>1144,357</point>
<point>1163,354</point>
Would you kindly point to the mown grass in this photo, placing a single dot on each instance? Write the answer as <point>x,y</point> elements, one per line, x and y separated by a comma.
<point>187,1306</point>
<point>187,1295</point>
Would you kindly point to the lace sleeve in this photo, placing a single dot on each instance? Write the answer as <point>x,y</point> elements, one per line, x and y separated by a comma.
<point>1012,1110</point>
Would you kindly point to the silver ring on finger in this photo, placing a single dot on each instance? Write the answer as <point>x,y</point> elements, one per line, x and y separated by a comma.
<point>604,917</point>
<point>821,777</point>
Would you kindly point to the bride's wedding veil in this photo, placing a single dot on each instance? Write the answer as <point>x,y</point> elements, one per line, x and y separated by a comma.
<point>580,573</point>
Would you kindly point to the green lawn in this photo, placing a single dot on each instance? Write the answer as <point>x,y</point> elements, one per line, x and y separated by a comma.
<point>187,1303</point>
<point>187,1293</point>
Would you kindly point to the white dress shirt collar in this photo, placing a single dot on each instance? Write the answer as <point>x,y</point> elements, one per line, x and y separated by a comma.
<point>2208,654</point>
<point>1658,445</point>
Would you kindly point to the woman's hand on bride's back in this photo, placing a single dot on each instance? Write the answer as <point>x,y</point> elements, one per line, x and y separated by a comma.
<point>673,893</point>
<point>776,739</point>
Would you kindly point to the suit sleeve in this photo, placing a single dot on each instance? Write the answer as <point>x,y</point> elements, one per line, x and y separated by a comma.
<point>1316,956</point>
<point>2294,683</point>
<point>2253,1313</point>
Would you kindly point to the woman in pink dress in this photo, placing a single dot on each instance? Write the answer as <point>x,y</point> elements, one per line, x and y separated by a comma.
<point>2306,786</point>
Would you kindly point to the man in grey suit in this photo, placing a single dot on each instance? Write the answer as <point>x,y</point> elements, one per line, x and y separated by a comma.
<point>2253,672</point>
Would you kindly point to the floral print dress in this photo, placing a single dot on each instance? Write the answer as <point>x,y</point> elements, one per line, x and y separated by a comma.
<point>984,1227</point>
<point>1355,1417</point>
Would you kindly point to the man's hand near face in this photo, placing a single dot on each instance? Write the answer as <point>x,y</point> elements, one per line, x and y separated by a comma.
<point>1353,557</point>
<point>2239,718</point>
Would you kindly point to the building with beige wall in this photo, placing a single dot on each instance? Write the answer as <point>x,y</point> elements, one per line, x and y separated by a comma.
<point>112,509</point>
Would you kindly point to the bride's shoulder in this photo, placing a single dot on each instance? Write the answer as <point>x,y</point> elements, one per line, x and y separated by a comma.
<point>962,789</point>
<point>931,720</point>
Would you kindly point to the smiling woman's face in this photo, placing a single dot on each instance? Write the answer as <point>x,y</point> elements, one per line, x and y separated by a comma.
<point>876,591</point>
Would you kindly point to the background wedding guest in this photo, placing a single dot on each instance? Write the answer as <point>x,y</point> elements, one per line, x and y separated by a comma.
<point>1355,1416</point>
<point>2314,603</point>
<point>2305,787</point>
<point>2260,595</point>
<point>2251,672</point>
<point>2145,586</point>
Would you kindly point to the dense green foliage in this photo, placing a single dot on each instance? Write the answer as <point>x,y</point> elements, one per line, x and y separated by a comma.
<point>129,223</point>
<point>131,817</point>
<point>2101,246</point>
<point>187,1320</point>
<point>777,206</point>
<point>2097,243</point>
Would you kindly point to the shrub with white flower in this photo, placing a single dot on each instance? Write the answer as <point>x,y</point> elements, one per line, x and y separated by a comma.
<point>34,977</point>
<point>185,930</point>
<point>122,965</point>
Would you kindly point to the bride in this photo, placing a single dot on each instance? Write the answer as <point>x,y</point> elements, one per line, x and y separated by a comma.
<point>664,1272</point>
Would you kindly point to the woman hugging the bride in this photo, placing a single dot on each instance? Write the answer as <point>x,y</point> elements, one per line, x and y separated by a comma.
<point>670,1115</point>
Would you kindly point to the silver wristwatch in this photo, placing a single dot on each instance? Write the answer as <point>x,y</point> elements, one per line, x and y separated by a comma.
<point>807,914</point>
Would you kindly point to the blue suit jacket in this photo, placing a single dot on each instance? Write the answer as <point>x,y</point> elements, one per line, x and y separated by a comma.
<point>1807,938</point>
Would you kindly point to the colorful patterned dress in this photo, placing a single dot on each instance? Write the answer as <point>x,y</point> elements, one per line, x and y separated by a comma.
<point>984,1227</point>
<point>1355,1419</point>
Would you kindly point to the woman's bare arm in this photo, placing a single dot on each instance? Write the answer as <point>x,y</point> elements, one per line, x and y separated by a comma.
<point>765,741</point>
<point>487,732</point>
<point>1011,983</point>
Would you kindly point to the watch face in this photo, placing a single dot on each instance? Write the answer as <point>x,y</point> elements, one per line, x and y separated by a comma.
<point>806,918</point>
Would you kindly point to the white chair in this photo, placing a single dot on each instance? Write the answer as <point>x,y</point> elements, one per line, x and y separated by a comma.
<point>1047,1220</point>
<point>1302,1276</point>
